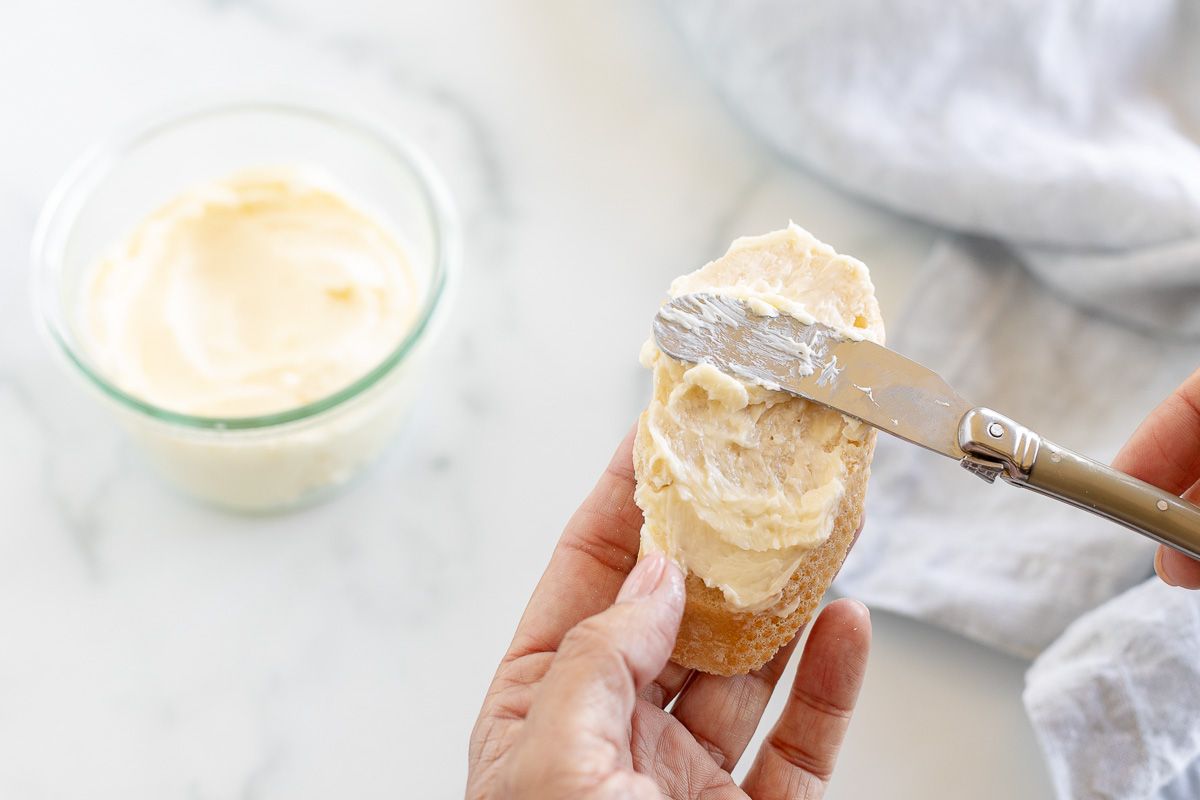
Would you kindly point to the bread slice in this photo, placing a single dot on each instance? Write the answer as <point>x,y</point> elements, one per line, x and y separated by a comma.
<point>713,638</point>
<point>757,494</point>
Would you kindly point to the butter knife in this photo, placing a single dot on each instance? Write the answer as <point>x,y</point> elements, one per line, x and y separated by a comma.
<point>884,389</point>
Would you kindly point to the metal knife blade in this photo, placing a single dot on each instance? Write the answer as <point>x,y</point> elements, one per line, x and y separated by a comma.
<point>858,378</point>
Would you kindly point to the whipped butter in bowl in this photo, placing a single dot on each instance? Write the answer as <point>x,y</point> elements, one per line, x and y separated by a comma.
<point>252,288</point>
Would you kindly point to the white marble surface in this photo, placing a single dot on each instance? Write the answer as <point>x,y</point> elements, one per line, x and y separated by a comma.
<point>154,648</point>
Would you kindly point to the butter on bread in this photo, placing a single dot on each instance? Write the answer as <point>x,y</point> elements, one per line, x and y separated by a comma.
<point>755,493</point>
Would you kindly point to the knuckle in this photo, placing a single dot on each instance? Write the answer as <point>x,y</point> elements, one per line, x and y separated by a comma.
<point>802,758</point>
<point>588,636</point>
<point>590,649</point>
<point>822,705</point>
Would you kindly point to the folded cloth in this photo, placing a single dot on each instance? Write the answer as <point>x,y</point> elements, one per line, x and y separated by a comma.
<point>1005,566</point>
<point>1140,710</point>
<point>1013,569</point>
<point>1059,145</point>
<point>1067,128</point>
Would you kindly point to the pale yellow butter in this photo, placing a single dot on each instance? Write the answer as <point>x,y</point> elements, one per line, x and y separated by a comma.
<point>254,294</point>
<point>737,482</point>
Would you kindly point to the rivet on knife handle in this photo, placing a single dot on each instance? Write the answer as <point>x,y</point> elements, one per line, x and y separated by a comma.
<point>1023,458</point>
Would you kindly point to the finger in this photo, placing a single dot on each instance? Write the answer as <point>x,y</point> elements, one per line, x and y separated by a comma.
<point>1176,569</point>
<point>591,687</point>
<point>663,689</point>
<point>1165,448</point>
<point>597,550</point>
<point>669,683</point>
<point>723,713</point>
<point>798,756</point>
<point>664,750</point>
<point>1165,451</point>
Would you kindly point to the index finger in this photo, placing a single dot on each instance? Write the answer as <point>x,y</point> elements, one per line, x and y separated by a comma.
<point>598,548</point>
<point>1165,448</point>
<point>798,755</point>
<point>1165,451</point>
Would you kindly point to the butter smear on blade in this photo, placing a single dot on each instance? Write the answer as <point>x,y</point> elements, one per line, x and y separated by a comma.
<point>738,481</point>
<point>251,295</point>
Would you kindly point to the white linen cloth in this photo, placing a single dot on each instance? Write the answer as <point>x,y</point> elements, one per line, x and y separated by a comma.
<point>1058,143</point>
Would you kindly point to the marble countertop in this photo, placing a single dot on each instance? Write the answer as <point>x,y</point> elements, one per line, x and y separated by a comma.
<point>156,648</point>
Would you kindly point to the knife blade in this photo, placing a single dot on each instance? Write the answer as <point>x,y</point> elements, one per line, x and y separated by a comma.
<point>858,378</point>
<point>882,388</point>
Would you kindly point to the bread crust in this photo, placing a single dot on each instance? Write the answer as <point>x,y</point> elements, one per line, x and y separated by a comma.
<point>725,480</point>
<point>716,639</point>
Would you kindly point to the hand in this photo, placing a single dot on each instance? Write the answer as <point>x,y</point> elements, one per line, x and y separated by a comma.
<point>1165,451</point>
<point>578,706</point>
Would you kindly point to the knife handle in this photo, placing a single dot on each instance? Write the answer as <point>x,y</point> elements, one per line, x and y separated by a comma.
<point>996,444</point>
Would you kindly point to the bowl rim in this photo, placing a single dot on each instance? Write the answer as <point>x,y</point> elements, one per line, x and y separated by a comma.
<point>63,204</point>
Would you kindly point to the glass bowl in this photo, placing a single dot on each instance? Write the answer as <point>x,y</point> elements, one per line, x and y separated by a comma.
<point>282,459</point>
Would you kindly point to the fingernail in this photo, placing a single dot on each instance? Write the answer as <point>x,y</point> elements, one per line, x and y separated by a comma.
<point>1160,566</point>
<point>644,578</point>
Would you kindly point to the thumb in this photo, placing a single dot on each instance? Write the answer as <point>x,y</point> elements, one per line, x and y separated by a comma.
<point>603,661</point>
